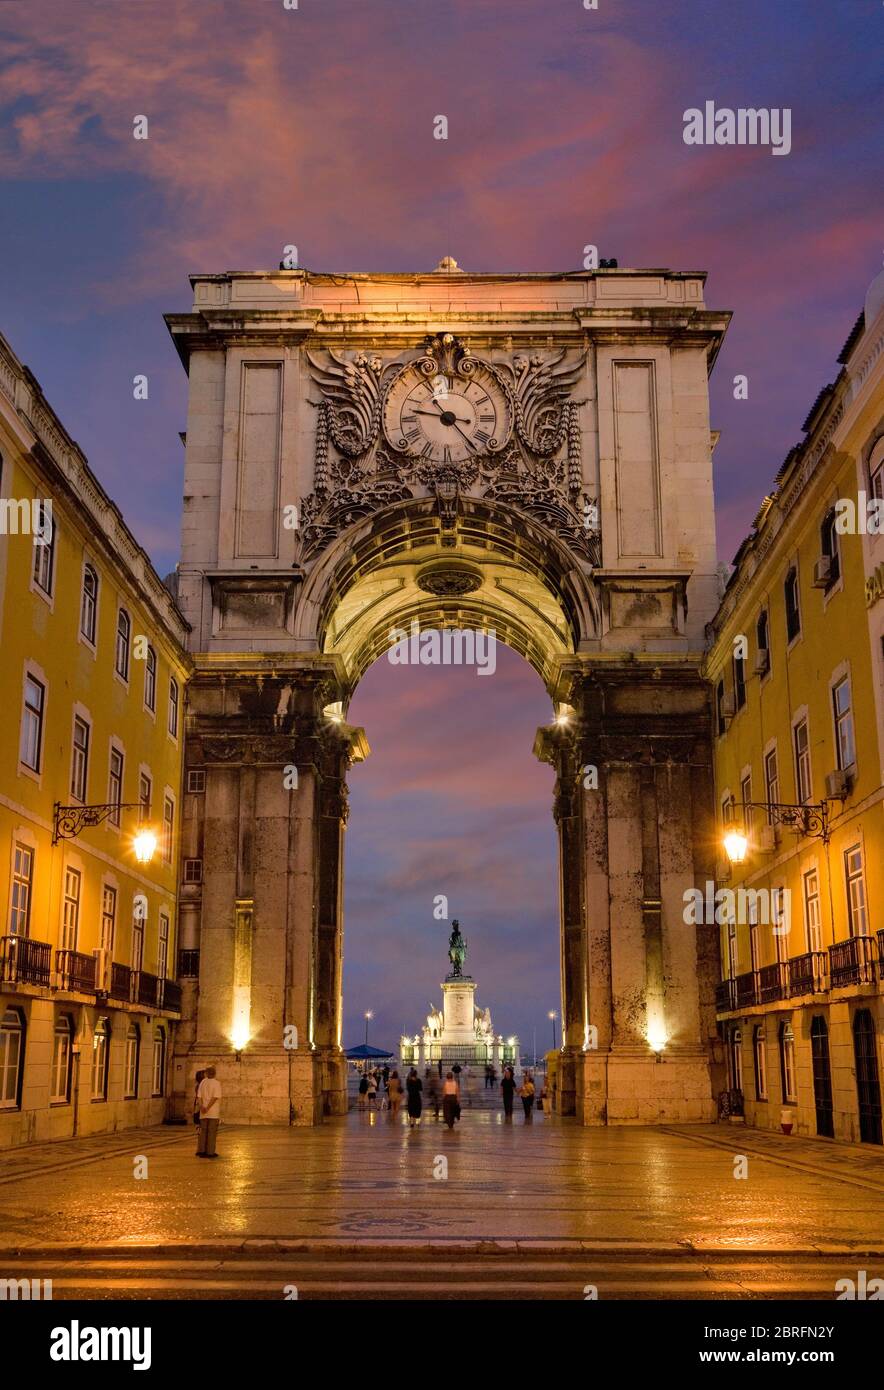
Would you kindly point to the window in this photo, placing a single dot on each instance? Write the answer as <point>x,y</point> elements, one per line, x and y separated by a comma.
<point>44,550</point>
<point>62,1055</point>
<point>115,785</point>
<point>771,782</point>
<point>762,640</point>
<point>787,1061</point>
<point>193,871</point>
<point>754,958</point>
<point>793,610</point>
<point>150,680</point>
<point>168,827</point>
<point>70,910</point>
<point>145,794</point>
<point>857,922</point>
<point>158,1078</point>
<point>812,924</point>
<point>22,879</point>
<point>108,917</point>
<point>732,948</point>
<point>100,1041</point>
<point>845,751</point>
<point>174,700</point>
<point>133,1048</point>
<point>80,759</point>
<point>163,947</point>
<point>803,785</point>
<point>32,723</point>
<point>780,922</point>
<point>11,1058</point>
<point>137,939</point>
<point>196,780</point>
<point>728,806</point>
<point>719,708</point>
<point>745,799</point>
<point>121,655</point>
<point>876,482</point>
<point>829,547</point>
<point>739,681</point>
<point>760,1062</point>
<point>737,1059</point>
<point>89,604</point>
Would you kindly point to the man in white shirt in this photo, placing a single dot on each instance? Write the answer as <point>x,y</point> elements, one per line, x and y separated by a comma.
<point>209,1098</point>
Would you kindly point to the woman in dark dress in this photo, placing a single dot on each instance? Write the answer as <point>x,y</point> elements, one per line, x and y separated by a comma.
<point>414,1086</point>
<point>508,1089</point>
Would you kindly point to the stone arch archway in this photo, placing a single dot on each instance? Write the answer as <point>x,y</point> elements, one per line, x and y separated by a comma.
<point>588,405</point>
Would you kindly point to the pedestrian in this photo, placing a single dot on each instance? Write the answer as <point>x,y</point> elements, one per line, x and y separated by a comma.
<point>440,1068</point>
<point>489,1076</point>
<point>372,1090</point>
<point>394,1091</point>
<point>196,1097</point>
<point>433,1095</point>
<point>508,1090</point>
<point>456,1070</point>
<point>386,1073</point>
<point>414,1086</point>
<point>450,1100</point>
<point>363,1091</point>
<point>209,1096</point>
<point>543,1102</point>
<point>526,1091</point>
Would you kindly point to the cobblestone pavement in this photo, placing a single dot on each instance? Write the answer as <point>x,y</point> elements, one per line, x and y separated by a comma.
<point>364,1178</point>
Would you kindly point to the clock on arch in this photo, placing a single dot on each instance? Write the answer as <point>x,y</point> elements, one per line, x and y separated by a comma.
<point>447,407</point>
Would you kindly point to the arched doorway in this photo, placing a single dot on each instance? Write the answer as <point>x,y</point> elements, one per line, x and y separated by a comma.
<point>822,1076</point>
<point>868,1087</point>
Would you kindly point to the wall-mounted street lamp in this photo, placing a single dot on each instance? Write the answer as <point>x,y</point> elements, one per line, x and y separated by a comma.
<point>69,821</point>
<point>810,820</point>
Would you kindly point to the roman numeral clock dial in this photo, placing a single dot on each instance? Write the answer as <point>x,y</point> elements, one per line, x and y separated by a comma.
<point>447,418</point>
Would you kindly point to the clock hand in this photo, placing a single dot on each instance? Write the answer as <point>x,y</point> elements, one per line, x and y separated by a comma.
<point>460,419</point>
<point>466,437</point>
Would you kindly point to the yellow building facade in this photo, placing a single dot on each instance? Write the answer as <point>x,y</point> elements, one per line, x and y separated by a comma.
<point>92,688</point>
<point>797,669</point>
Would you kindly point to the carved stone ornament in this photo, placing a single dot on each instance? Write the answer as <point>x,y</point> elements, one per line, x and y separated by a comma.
<point>449,580</point>
<point>448,422</point>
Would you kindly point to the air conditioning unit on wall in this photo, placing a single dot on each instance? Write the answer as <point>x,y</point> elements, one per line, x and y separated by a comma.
<point>822,572</point>
<point>767,839</point>
<point>837,784</point>
<point>762,661</point>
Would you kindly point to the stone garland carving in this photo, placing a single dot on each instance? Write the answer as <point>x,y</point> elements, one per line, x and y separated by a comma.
<point>539,471</point>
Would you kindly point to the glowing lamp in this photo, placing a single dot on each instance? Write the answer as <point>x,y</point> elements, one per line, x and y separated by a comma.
<point>144,843</point>
<point>736,843</point>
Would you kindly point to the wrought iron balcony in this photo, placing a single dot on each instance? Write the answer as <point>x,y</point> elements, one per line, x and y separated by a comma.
<point>121,983</point>
<point>772,983</point>
<point>170,995</point>
<point>807,973</point>
<point>852,962</point>
<point>747,989</point>
<point>75,971</point>
<point>725,996</point>
<point>881,953</point>
<point>24,961</point>
<point>146,988</point>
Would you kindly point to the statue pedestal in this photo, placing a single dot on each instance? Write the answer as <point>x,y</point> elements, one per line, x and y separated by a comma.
<point>458,997</point>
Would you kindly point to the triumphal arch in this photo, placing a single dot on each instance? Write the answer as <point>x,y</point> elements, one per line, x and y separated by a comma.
<point>526,454</point>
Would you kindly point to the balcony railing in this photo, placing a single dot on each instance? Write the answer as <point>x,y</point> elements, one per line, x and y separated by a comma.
<point>146,988</point>
<point>807,973</point>
<point>24,961</point>
<point>76,971</point>
<point>121,983</point>
<point>188,965</point>
<point>852,962</point>
<point>747,989</point>
<point>772,982</point>
<point>725,996</point>
<point>881,953</point>
<point>170,995</point>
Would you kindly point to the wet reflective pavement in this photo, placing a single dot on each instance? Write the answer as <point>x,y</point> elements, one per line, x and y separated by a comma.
<point>364,1178</point>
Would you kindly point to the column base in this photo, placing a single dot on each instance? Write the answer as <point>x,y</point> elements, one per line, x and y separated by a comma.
<point>267,1088</point>
<point>616,1088</point>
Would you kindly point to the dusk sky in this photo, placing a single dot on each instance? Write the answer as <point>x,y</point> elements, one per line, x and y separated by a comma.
<point>314,127</point>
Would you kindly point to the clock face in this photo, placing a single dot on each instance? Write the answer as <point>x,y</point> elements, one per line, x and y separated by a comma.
<point>447,418</point>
